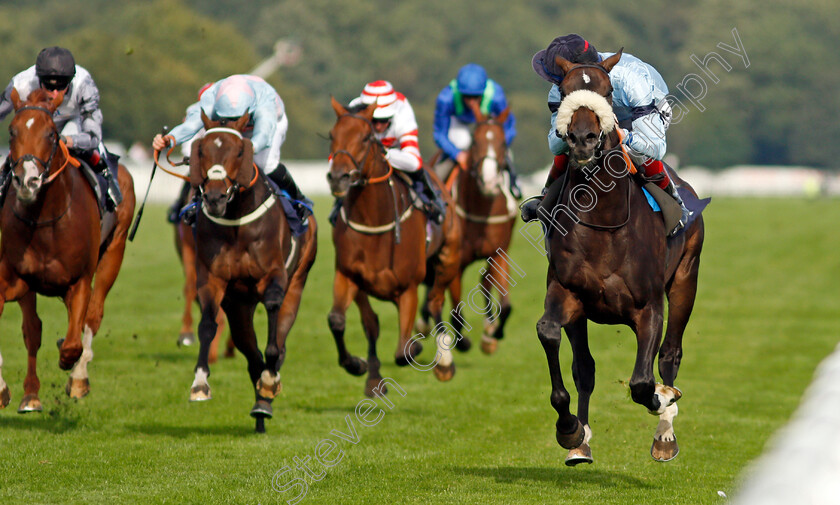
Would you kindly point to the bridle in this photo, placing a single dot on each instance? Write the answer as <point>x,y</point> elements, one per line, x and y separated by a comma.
<point>46,176</point>
<point>356,174</point>
<point>217,172</point>
<point>602,137</point>
<point>477,162</point>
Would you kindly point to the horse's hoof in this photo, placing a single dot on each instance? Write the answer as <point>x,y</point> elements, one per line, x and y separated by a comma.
<point>59,342</point>
<point>77,388</point>
<point>269,391</point>
<point>573,439</point>
<point>664,451</point>
<point>489,345</point>
<point>463,344</point>
<point>200,393</point>
<point>262,410</point>
<point>5,397</point>
<point>355,366</point>
<point>444,373</point>
<point>30,403</point>
<point>414,351</point>
<point>186,339</point>
<point>373,390</point>
<point>578,455</point>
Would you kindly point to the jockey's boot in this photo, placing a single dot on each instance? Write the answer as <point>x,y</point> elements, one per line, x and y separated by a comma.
<point>335,211</point>
<point>5,177</point>
<point>528,209</point>
<point>671,189</point>
<point>284,180</point>
<point>435,207</point>
<point>173,215</point>
<point>514,178</point>
<point>107,164</point>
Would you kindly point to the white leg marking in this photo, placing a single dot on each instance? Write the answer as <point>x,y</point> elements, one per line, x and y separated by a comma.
<point>666,395</point>
<point>665,428</point>
<point>79,370</point>
<point>445,342</point>
<point>200,378</point>
<point>587,434</point>
<point>268,380</point>
<point>2,382</point>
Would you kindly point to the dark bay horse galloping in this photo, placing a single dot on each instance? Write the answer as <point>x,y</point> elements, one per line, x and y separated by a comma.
<point>245,255</point>
<point>487,212</point>
<point>610,262</point>
<point>54,243</point>
<point>371,261</point>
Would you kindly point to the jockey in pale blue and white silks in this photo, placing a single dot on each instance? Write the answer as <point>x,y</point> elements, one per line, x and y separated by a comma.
<point>451,128</point>
<point>230,99</point>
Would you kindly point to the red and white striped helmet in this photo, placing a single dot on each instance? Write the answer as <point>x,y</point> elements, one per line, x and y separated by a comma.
<point>382,93</point>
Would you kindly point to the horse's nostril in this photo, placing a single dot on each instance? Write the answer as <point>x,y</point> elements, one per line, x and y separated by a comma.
<point>329,176</point>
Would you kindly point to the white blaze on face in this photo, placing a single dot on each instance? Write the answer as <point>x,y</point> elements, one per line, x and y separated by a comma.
<point>218,142</point>
<point>490,164</point>
<point>30,170</point>
<point>586,78</point>
<point>29,123</point>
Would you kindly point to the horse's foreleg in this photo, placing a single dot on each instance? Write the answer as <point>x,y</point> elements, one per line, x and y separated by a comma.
<point>32,339</point>
<point>583,372</point>
<point>498,272</point>
<point>269,384</point>
<point>11,288</point>
<point>643,388</point>
<point>344,291</point>
<point>76,300</point>
<point>210,295</point>
<point>569,430</point>
<point>457,315</point>
<point>445,338</point>
<point>370,322</point>
<point>407,349</point>
<point>423,323</point>
<point>186,336</point>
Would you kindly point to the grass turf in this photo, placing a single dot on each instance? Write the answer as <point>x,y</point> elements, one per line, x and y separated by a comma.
<point>764,317</point>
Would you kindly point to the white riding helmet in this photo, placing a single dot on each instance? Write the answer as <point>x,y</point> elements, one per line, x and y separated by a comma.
<point>383,95</point>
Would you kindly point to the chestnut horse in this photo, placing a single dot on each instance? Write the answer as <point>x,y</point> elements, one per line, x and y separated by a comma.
<point>54,244</point>
<point>610,261</point>
<point>487,212</point>
<point>371,260</point>
<point>185,247</point>
<point>245,254</point>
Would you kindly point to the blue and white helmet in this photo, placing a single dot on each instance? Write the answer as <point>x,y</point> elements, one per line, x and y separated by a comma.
<point>234,97</point>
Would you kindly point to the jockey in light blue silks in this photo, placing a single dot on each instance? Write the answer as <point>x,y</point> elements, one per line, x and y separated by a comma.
<point>453,118</point>
<point>228,100</point>
<point>638,101</point>
<point>78,118</point>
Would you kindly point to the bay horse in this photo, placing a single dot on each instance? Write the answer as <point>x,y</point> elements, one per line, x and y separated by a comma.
<point>371,260</point>
<point>487,213</point>
<point>54,243</point>
<point>185,247</point>
<point>610,261</point>
<point>245,255</point>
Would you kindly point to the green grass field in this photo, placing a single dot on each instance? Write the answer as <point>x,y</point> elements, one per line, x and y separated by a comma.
<point>765,316</point>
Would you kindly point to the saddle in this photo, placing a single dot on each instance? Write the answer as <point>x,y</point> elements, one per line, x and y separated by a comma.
<point>297,225</point>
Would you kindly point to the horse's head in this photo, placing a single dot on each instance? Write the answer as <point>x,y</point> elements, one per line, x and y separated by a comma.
<point>352,144</point>
<point>33,142</point>
<point>488,152</point>
<point>585,116</point>
<point>222,163</point>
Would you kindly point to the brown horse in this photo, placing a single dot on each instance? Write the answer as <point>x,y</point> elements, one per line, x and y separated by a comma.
<point>54,244</point>
<point>487,212</point>
<point>610,261</point>
<point>371,261</point>
<point>245,254</point>
<point>185,247</point>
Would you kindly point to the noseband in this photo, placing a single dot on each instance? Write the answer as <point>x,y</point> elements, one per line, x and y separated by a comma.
<point>356,174</point>
<point>217,172</point>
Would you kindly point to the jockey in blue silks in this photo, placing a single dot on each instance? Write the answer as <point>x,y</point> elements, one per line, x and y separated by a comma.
<point>231,98</point>
<point>453,118</point>
<point>638,101</point>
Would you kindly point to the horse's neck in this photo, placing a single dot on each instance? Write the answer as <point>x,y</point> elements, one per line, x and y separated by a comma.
<point>369,203</point>
<point>601,193</point>
<point>248,200</point>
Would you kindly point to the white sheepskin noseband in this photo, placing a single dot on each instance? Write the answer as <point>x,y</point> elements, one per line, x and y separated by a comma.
<point>589,99</point>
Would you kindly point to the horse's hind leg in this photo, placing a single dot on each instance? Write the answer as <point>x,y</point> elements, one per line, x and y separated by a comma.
<point>494,329</point>
<point>569,430</point>
<point>210,295</point>
<point>240,318</point>
<point>9,291</point>
<point>77,301</point>
<point>681,294</point>
<point>187,253</point>
<point>583,372</point>
<point>370,322</point>
<point>32,338</point>
<point>407,348</point>
<point>445,339</point>
<point>344,291</point>
<point>457,318</point>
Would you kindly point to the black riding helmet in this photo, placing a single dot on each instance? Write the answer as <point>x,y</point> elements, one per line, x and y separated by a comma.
<point>55,67</point>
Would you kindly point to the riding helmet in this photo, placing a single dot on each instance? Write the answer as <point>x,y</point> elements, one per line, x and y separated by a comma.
<point>55,62</point>
<point>472,79</point>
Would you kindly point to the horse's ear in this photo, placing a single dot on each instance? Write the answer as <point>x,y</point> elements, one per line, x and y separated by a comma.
<point>15,97</point>
<point>475,107</point>
<point>195,167</point>
<point>245,174</point>
<point>502,117</point>
<point>368,111</point>
<point>204,119</point>
<point>610,62</point>
<point>240,124</point>
<point>563,63</point>
<point>337,107</point>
